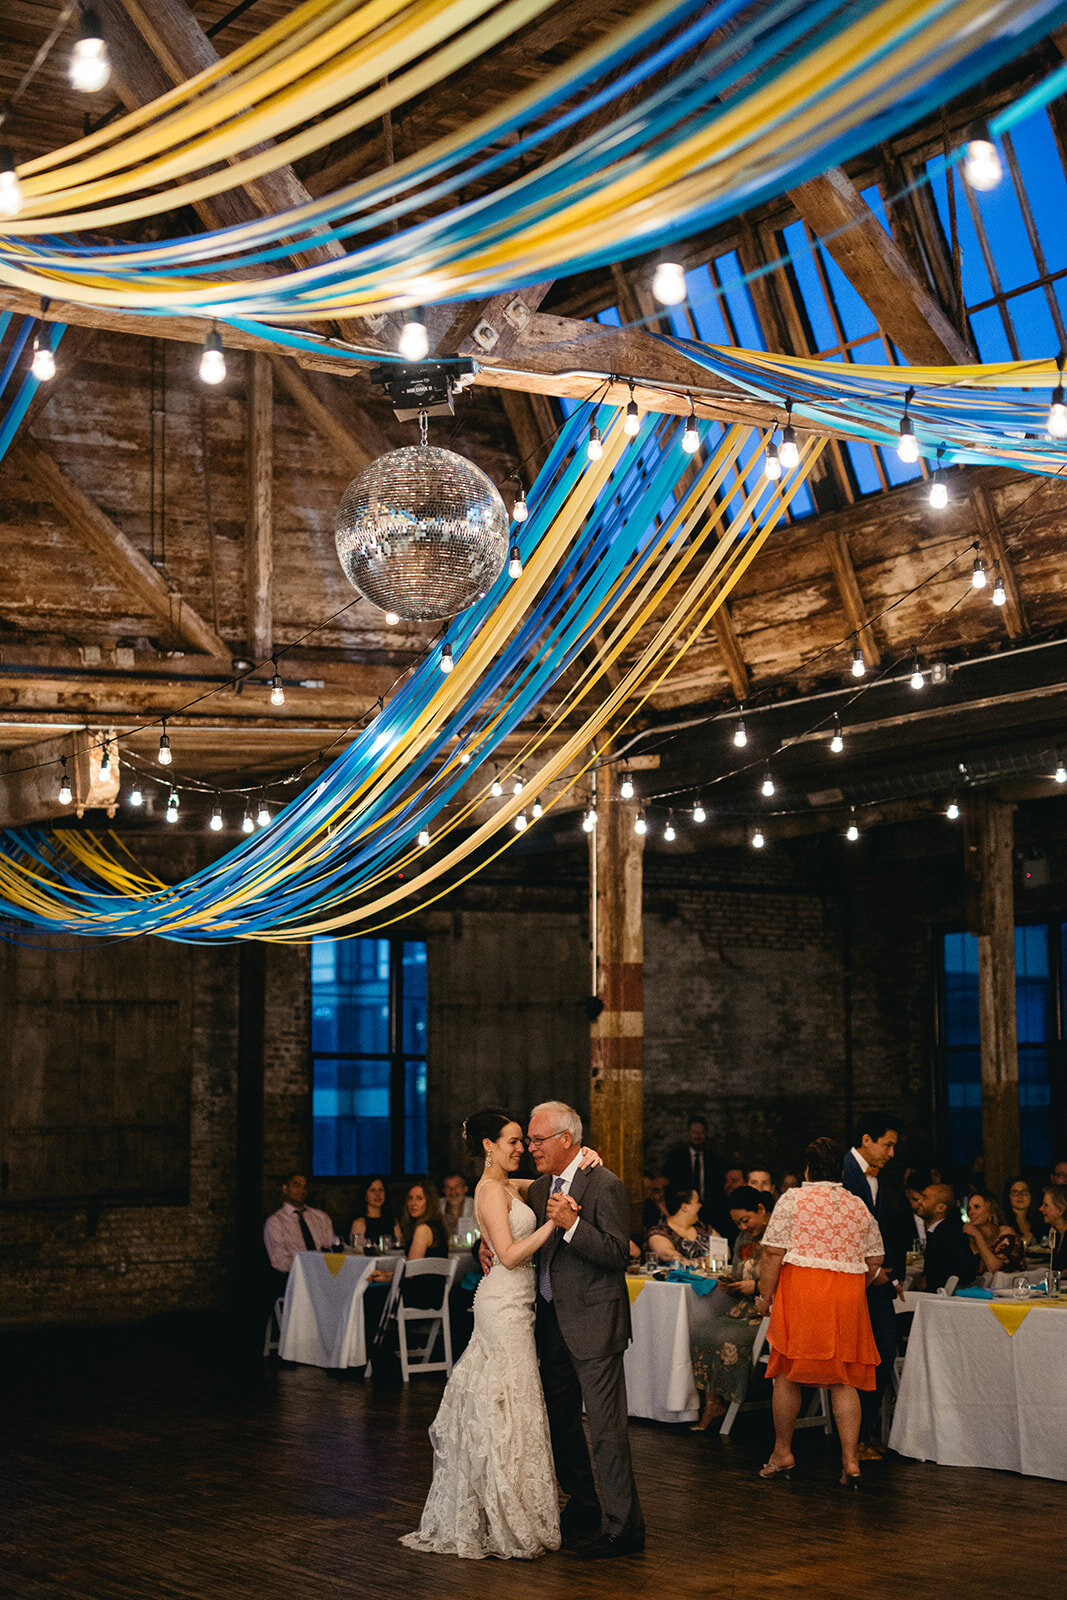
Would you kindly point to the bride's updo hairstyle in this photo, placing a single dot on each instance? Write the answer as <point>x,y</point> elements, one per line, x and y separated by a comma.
<point>481,1125</point>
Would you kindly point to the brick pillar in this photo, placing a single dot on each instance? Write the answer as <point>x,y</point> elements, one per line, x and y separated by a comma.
<point>617,1034</point>
<point>990,841</point>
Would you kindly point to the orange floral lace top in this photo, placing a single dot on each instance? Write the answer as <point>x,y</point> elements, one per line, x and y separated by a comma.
<point>822,1225</point>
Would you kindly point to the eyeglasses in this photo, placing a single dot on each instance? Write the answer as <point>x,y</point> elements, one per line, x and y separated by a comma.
<point>535,1143</point>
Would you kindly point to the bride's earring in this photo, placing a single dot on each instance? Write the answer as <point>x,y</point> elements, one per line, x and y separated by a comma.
<point>488,1161</point>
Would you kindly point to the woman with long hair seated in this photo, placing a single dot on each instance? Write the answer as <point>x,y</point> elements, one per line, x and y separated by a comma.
<point>821,1249</point>
<point>998,1247</point>
<point>680,1235</point>
<point>1021,1210</point>
<point>1054,1211</point>
<point>374,1219</point>
<point>722,1339</point>
<point>424,1237</point>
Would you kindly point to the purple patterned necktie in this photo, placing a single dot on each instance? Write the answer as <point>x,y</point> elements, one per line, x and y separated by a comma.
<point>544,1281</point>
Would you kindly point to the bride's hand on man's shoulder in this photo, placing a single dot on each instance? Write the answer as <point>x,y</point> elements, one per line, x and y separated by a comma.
<point>590,1158</point>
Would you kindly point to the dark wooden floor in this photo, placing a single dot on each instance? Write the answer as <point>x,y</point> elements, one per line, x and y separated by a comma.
<point>142,1465</point>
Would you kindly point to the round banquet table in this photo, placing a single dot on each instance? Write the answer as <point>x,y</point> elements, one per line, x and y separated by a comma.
<point>323,1323</point>
<point>659,1368</point>
<point>985,1385</point>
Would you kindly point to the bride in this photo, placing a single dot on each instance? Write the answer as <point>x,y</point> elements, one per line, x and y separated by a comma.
<point>494,1487</point>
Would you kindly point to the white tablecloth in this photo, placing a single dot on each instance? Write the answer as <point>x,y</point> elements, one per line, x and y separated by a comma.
<point>973,1395</point>
<point>323,1323</point>
<point>659,1371</point>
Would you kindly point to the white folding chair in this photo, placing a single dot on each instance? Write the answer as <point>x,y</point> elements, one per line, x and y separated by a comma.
<point>437,1319</point>
<point>948,1288</point>
<point>818,1413</point>
<point>396,1264</point>
<point>273,1331</point>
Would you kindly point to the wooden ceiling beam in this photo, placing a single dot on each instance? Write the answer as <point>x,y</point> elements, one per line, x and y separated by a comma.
<point>723,627</point>
<point>111,546</point>
<point>1015,618</point>
<point>879,271</point>
<point>356,450</point>
<point>849,590</point>
<point>259,532</point>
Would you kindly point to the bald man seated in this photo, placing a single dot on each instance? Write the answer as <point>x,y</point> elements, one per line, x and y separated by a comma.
<point>948,1253</point>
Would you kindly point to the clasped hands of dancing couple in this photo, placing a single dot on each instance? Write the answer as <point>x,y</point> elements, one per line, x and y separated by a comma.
<point>551,1326</point>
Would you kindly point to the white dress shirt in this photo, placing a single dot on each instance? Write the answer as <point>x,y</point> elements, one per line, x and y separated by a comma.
<point>283,1235</point>
<point>567,1175</point>
<point>864,1164</point>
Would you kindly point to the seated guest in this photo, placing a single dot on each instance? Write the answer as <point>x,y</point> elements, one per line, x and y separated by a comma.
<point>458,1210</point>
<point>790,1180</point>
<point>375,1219</point>
<point>422,1234</point>
<point>733,1178</point>
<point>997,1247</point>
<point>1021,1211</point>
<point>1058,1174</point>
<point>1054,1211</point>
<point>654,1209</point>
<point>721,1339</point>
<point>759,1178</point>
<point>680,1235</point>
<point>947,1252</point>
<point>293,1227</point>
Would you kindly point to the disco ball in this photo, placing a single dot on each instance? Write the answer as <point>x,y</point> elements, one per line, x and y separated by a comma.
<point>422,532</point>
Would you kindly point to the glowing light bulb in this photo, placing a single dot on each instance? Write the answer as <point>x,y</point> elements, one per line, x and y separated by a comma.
<point>758,840</point>
<point>691,438</point>
<point>136,795</point>
<point>521,823</point>
<point>981,160</point>
<point>952,810</point>
<point>1057,411</point>
<point>216,820</point>
<point>859,666</point>
<point>10,188</point>
<point>277,693</point>
<point>392,618</point>
<point>837,739</point>
<point>916,680</point>
<point>938,493</point>
<point>594,448</point>
<point>669,832</point>
<point>999,596</point>
<point>43,365</point>
<point>626,787</point>
<point>520,510</point>
<point>632,421</point>
<point>852,833</point>
<point>172,807</point>
<point>212,361</point>
<point>164,755</point>
<point>446,662</point>
<point>517,785</point>
<point>515,562</point>
<point>908,447</point>
<point>740,735</point>
<point>464,758</point>
<point>263,815</point>
<point>537,809</point>
<point>789,451</point>
<point>589,820</point>
<point>65,793</point>
<point>497,789</point>
<point>699,814</point>
<point>978,573</point>
<point>247,825</point>
<point>640,824</point>
<point>424,838</point>
<point>1060,774</point>
<point>414,343</point>
<point>668,283</point>
<point>767,786</point>
<point>89,68</point>
<point>105,759</point>
<point>772,463</point>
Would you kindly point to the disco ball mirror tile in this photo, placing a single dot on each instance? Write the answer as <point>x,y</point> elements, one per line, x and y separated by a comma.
<point>422,532</point>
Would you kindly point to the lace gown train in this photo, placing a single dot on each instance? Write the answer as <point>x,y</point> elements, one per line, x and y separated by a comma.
<point>494,1488</point>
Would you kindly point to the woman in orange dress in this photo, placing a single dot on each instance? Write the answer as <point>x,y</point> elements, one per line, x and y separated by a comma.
<point>821,1249</point>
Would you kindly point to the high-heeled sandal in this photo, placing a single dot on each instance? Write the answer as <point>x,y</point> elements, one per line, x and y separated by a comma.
<point>850,1480</point>
<point>769,1470</point>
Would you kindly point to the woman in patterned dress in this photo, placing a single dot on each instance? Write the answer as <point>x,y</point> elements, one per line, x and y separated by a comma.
<point>722,1338</point>
<point>821,1249</point>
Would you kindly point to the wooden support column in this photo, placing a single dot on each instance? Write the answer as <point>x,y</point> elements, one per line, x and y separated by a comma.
<point>617,1034</point>
<point>260,508</point>
<point>990,844</point>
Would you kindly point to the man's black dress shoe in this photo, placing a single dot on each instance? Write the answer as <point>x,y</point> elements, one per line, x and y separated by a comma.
<point>612,1544</point>
<point>580,1522</point>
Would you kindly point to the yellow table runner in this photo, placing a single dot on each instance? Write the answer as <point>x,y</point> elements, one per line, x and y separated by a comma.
<point>335,1260</point>
<point>1011,1316</point>
<point>634,1287</point>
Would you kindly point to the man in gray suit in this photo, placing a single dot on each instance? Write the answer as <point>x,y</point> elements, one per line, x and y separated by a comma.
<point>582,1329</point>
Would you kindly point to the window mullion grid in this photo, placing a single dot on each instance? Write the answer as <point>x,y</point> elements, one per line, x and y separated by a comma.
<point>1035,242</point>
<point>991,269</point>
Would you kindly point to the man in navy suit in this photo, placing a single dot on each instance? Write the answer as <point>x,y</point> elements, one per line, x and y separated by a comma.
<point>875,1146</point>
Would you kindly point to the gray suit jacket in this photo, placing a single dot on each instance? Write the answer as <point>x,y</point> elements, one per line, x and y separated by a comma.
<point>589,1274</point>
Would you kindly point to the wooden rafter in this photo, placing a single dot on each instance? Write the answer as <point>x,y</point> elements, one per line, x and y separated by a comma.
<point>111,545</point>
<point>356,450</point>
<point>1015,619</point>
<point>260,529</point>
<point>723,625</point>
<point>848,587</point>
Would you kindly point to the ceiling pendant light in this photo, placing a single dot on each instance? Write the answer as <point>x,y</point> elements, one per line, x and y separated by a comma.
<point>263,815</point>
<point>999,596</point>
<point>1057,411</point>
<point>1060,774</point>
<point>392,618</point>
<point>691,438</point>
<point>916,680</point>
<point>594,448</point>
<point>105,759</point>
<point>632,422</point>
<point>136,795</point>
<point>626,787</point>
<point>446,662</point>
<point>668,283</point>
<point>938,497</point>
<point>859,666</point>
<point>497,788</point>
<point>10,187</point>
<point>89,68</point>
<point>537,809</point>
<point>589,820</point>
<point>212,367</point>
<point>216,819</point>
<point>767,786</point>
<point>837,739</point>
<point>852,832</point>
<point>43,362</point>
<point>172,806</point>
<point>981,159</point>
<point>277,693</point>
<point>699,814</point>
<point>464,758</point>
<point>789,451</point>
<point>65,792</point>
<point>521,823</point>
<point>247,825</point>
<point>757,840</point>
<point>520,510</point>
<point>424,838</point>
<point>740,736</point>
<point>414,342</point>
<point>514,563</point>
<point>772,462</point>
<point>640,824</point>
<point>952,810</point>
<point>978,574</point>
<point>516,787</point>
<point>908,446</point>
<point>669,832</point>
<point>163,755</point>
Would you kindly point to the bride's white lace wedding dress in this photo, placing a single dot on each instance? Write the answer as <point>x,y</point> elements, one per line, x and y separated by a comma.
<point>494,1488</point>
